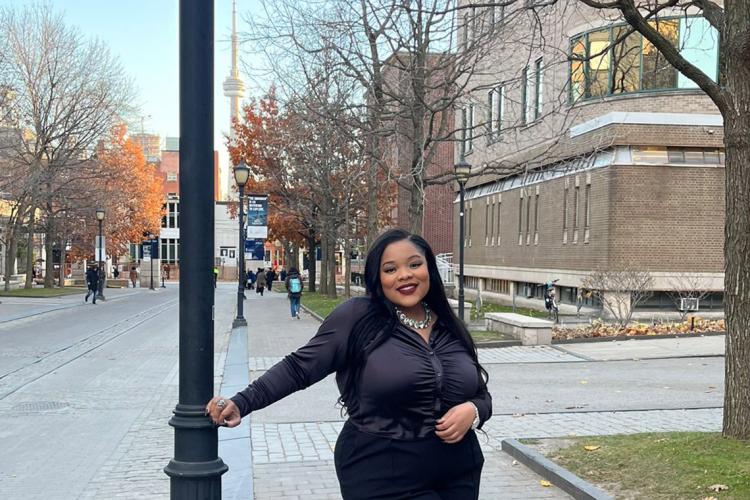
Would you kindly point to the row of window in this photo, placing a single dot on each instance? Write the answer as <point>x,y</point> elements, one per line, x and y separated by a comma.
<point>610,61</point>
<point>532,100</point>
<point>475,21</point>
<point>576,215</point>
<point>172,218</point>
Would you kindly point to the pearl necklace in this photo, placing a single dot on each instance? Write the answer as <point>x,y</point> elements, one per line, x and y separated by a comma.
<point>412,323</point>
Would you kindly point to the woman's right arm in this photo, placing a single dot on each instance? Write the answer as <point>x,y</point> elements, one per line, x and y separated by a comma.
<point>324,354</point>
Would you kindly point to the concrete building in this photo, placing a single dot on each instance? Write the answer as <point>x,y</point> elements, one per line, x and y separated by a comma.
<point>234,89</point>
<point>613,161</point>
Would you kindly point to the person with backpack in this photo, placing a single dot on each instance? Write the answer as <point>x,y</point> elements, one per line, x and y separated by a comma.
<point>294,288</point>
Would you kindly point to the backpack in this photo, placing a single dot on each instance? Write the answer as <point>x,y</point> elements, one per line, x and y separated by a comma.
<point>295,285</point>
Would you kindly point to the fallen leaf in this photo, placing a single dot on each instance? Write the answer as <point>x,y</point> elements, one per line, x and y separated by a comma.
<point>591,447</point>
<point>514,462</point>
<point>584,381</point>
<point>718,487</point>
<point>545,483</point>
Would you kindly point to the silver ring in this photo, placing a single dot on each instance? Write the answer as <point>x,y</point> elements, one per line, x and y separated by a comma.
<point>221,403</point>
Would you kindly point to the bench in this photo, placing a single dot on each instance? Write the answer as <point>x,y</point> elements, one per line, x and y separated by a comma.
<point>530,331</point>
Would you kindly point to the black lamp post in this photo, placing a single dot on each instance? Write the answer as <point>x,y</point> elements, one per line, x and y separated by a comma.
<point>100,257</point>
<point>151,237</point>
<point>241,174</point>
<point>195,470</point>
<point>462,170</point>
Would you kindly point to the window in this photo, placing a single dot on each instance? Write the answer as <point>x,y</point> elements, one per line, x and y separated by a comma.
<point>171,176</point>
<point>497,14</point>
<point>492,222</point>
<point>170,250</point>
<point>597,68</point>
<point>497,230</point>
<point>520,217</point>
<point>577,69</point>
<point>465,37</point>
<point>470,129</point>
<point>657,72</point>
<point>538,88</point>
<point>565,209</point>
<point>524,90</point>
<point>598,53</point>
<point>587,207</point>
<point>575,207</point>
<point>487,223</point>
<point>626,62</point>
<point>536,218</point>
<point>495,105</point>
<point>528,218</point>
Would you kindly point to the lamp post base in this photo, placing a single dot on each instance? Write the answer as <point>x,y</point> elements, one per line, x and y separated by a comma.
<point>239,322</point>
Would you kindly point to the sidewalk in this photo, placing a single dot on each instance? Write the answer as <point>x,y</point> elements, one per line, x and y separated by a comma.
<point>292,441</point>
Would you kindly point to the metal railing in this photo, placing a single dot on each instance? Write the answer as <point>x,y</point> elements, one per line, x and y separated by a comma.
<point>445,267</point>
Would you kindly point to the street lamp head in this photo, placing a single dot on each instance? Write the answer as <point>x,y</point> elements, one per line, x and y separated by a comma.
<point>462,169</point>
<point>241,174</point>
<point>99,214</point>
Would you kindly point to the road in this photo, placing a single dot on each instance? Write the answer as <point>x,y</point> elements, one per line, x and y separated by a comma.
<point>78,381</point>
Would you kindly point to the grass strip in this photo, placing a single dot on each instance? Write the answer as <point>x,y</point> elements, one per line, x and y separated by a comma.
<point>322,305</point>
<point>42,292</point>
<point>679,465</point>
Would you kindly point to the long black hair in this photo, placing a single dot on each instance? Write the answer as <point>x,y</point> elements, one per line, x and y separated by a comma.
<point>380,319</point>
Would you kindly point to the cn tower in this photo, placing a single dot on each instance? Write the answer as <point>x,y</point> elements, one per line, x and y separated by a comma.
<point>234,89</point>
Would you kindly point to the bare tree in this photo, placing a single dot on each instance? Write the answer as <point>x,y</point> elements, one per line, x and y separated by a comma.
<point>688,287</point>
<point>67,93</point>
<point>620,292</point>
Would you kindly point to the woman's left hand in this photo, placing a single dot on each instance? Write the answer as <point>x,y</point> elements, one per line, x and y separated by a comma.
<point>456,422</point>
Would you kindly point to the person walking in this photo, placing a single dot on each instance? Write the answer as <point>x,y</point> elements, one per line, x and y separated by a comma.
<point>166,270</point>
<point>250,279</point>
<point>92,283</point>
<point>216,275</point>
<point>260,281</point>
<point>116,272</point>
<point>294,289</point>
<point>283,274</point>
<point>409,380</point>
<point>133,275</point>
<point>270,276</point>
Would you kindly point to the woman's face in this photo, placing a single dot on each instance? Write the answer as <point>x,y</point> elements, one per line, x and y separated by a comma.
<point>403,274</point>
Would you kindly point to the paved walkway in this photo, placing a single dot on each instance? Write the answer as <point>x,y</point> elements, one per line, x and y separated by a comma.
<point>293,440</point>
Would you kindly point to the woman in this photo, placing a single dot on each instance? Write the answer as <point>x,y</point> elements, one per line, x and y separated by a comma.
<point>260,281</point>
<point>409,379</point>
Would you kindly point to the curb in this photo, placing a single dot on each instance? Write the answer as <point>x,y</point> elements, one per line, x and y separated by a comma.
<point>311,313</point>
<point>559,476</point>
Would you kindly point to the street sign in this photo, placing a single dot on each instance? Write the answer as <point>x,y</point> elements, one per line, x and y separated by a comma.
<point>257,216</point>
<point>149,249</point>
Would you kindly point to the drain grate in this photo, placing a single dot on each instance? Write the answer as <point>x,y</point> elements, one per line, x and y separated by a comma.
<point>36,406</point>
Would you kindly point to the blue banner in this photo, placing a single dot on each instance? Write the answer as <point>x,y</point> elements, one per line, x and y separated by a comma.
<point>254,249</point>
<point>257,216</point>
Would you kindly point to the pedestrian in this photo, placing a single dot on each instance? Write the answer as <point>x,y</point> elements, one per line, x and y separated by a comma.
<point>283,273</point>
<point>92,283</point>
<point>166,270</point>
<point>409,378</point>
<point>116,272</point>
<point>270,276</point>
<point>216,275</point>
<point>579,302</point>
<point>260,281</point>
<point>294,289</point>
<point>250,279</point>
<point>133,275</point>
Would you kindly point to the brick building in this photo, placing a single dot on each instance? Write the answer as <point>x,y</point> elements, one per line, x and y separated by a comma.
<point>613,161</point>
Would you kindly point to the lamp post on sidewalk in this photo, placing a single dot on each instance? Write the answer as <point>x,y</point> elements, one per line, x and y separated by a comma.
<point>100,257</point>
<point>195,469</point>
<point>462,169</point>
<point>241,174</point>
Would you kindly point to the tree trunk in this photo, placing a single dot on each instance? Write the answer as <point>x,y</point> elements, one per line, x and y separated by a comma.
<point>61,281</point>
<point>49,265</point>
<point>324,262</point>
<point>30,249</point>
<point>347,253</point>
<point>416,205</point>
<point>737,274</point>
<point>332,292</point>
<point>311,249</point>
<point>10,259</point>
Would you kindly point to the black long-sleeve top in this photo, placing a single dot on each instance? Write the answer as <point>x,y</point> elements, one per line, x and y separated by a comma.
<point>406,385</point>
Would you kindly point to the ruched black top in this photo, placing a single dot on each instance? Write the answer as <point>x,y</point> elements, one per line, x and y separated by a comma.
<point>406,384</point>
